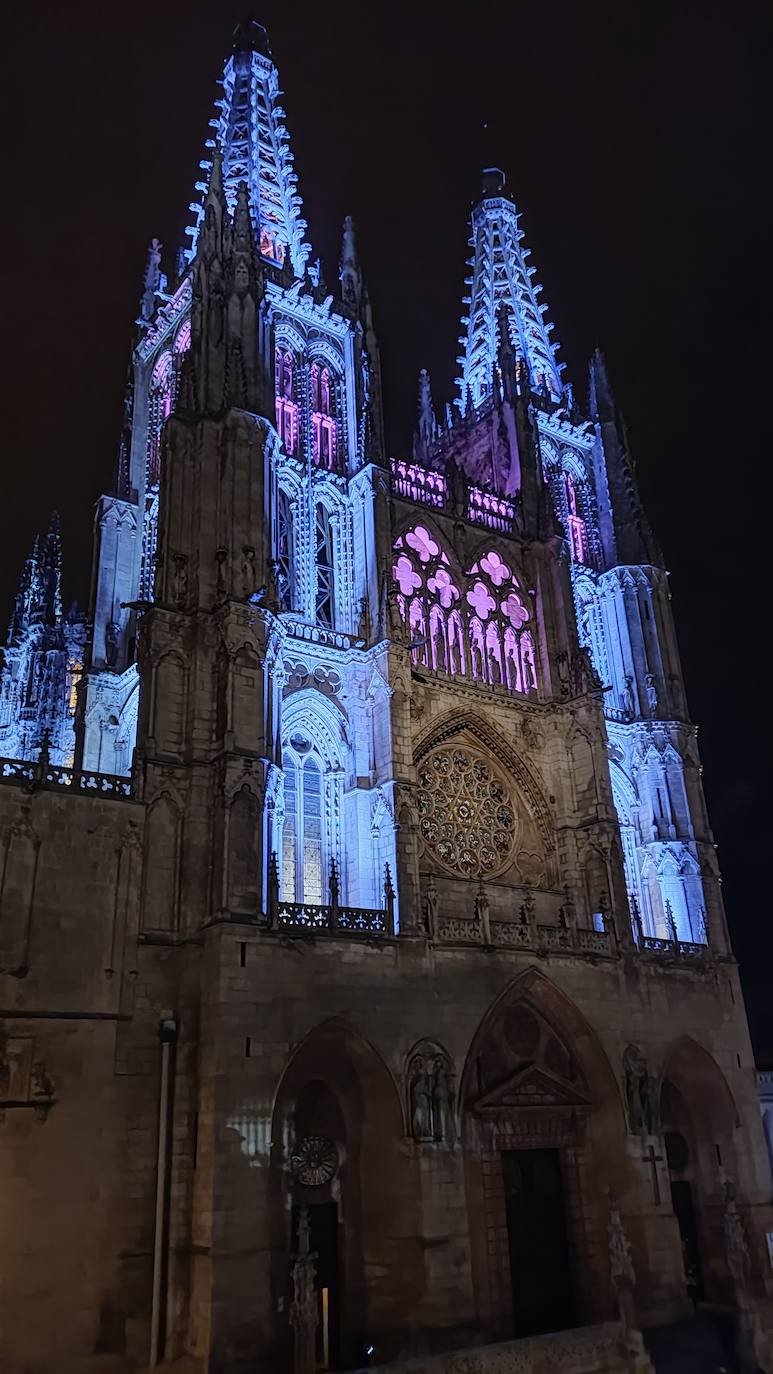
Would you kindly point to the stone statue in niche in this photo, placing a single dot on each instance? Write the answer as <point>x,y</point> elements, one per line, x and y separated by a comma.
<point>430,1095</point>
<point>441,1101</point>
<point>363,624</point>
<point>629,705</point>
<point>641,1093</point>
<point>180,579</point>
<point>483,914</point>
<point>248,572</point>
<point>112,631</point>
<point>421,1100</point>
<point>651,693</point>
<point>431,902</point>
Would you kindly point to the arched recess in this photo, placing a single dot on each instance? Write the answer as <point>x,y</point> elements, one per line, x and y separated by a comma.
<point>338,1101</point>
<point>169,697</point>
<point>534,856</point>
<point>538,1093</point>
<point>244,827</point>
<point>160,875</point>
<point>699,1120</point>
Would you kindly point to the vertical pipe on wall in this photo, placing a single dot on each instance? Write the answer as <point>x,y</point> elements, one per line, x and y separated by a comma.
<point>167,1034</point>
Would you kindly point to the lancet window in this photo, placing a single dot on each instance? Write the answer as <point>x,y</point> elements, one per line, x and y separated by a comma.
<point>287,408</point>
<point>325,556</point>
<point>476,626</point>
<point>304,842</point>
<point>323,425</point>
<point>578,540</point>
<point>160,402</point>
<point>164,385</point>
<point>285,552</point>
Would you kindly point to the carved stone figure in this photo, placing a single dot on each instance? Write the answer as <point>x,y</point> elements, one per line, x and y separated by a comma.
<point>363,623</point>
<point>112,632</point>
<point>431,903</point>
<point>180,579</point>
<point>629,705</point>
<point>441,1101</point>
<point>248,572</point>
<point>641,1093</point>
<point>651,693</point>
<point>303,1308</point>
<point>623,1278</point>
<point>421,1101</point>
<point>483,915</point>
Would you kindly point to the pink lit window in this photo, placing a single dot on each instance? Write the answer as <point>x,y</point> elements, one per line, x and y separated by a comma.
<point>324,438</point>
<point>577,541</point>
<point>286,405</point>
<point>323,426</point>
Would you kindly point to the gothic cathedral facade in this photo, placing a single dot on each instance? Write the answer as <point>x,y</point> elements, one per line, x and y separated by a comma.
<point>362,948</point>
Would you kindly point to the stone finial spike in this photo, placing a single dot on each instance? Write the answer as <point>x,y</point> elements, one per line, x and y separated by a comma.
<point>151,281</point>
<point>427,428</point>
<point>601,399</point>
<point>349,272</point>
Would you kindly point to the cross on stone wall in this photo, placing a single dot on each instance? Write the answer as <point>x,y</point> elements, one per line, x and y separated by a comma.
<point>649,1157</point>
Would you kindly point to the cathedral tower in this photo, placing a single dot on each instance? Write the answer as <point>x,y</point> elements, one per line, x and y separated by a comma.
<point>367,991</point>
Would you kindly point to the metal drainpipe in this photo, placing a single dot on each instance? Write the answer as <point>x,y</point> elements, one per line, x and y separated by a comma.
<point>167,1034</point>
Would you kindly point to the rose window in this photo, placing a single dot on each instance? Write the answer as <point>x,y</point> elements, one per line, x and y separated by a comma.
<point>466,815</point>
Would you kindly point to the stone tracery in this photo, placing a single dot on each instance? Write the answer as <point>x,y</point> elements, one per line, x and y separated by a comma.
<point>475,624</point>
<point>467,818</point>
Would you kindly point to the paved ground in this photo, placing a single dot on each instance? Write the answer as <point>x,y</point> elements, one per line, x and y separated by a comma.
<point>700,1345</point>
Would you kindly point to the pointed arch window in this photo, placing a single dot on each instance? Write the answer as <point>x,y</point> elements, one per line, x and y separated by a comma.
<point>323,424</point>
<point>325,561</point>
<point>578,541</point>
<point>287,409</point>
<point>476,626</point>
<point>305,844</point>
<point>160,401</point>
<point>285,552</point>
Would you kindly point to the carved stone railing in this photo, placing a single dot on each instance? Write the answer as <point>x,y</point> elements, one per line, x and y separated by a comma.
<point>419,484</point>
<point>673,949</point>
<point>303,917</point>
<point>528,936</point>
<point>316,634</point>
<point>496,513</point>
<point>22,773</point>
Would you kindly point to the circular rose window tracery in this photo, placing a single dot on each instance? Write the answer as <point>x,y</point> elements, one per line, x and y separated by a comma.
<point>466,814</point>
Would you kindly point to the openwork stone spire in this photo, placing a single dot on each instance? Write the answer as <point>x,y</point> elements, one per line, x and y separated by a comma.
<point>501,278</point>
<point>249,127</point>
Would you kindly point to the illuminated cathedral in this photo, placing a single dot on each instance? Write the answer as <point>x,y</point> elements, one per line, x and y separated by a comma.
<point>369,987</point>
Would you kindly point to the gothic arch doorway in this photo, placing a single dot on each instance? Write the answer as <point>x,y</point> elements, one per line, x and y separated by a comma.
<point>698,1119</point>
<point>544,1139</point>
<point>336,1150</point>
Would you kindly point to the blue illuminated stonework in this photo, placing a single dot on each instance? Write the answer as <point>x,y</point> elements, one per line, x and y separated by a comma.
<point>358,555</point>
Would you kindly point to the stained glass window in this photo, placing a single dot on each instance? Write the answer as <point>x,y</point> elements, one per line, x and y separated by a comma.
<point>466,815</point>
<point>477,625</point>
<point>303,839</point>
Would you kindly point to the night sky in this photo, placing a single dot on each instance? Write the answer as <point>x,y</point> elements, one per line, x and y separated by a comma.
<point>636,138</point>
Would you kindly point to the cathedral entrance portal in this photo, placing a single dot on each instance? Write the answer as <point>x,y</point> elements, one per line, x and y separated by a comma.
<point>540,1273</point>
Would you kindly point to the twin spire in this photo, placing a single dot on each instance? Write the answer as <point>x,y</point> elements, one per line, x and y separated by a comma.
<point>249,127</point>
<point>502,281</point>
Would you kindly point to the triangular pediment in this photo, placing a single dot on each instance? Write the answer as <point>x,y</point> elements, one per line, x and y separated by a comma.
<point>532,1087</point>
